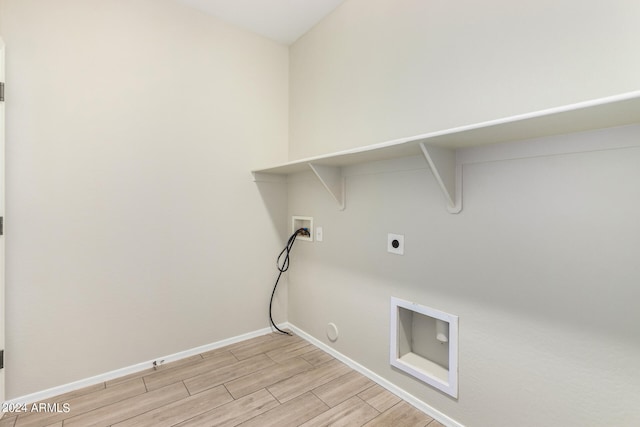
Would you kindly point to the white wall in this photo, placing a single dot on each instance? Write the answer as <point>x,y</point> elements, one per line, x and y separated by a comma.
<point>133,227</point>
<point>377,70</point>
<point>540,265</point>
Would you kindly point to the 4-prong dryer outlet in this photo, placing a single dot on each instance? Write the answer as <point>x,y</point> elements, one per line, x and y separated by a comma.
<point>298,222</point>
<point>395,243</point>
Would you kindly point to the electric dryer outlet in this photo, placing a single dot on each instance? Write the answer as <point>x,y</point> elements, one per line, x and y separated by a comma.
<point>395,243</point>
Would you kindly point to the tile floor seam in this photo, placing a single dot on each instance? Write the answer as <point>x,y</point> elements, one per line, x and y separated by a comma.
<point>267,349</point>
<point>368,404</point>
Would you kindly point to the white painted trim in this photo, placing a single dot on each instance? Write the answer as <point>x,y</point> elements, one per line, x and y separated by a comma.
<point>617,138</point>
<point>420,367</point>
<point>2,214</point>
<point>447,164</point>
<point>613,111</point>
<point>409,398</point>
<point>76,385</point>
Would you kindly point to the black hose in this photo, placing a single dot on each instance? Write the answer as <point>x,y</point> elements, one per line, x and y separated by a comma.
<point>282,267</point>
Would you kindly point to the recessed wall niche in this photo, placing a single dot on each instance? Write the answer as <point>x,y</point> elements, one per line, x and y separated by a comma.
<point>424,344</point>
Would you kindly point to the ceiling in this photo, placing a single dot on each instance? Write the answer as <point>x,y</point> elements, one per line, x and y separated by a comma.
<point>281,20</point>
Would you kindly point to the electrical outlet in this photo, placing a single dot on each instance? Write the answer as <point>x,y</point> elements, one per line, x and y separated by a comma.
<point>395,244</point>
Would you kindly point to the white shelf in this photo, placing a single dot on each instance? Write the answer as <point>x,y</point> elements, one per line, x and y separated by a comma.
<point>439,147</point>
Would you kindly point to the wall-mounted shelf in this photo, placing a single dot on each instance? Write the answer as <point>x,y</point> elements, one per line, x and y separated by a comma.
<point>439,148</point>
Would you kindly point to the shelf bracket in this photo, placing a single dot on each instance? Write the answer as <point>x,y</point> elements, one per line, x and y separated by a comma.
<point>448,174</point>
<point>332,179</point>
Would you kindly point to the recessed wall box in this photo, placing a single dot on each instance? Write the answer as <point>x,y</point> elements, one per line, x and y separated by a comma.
<point>418,347</point>
<point>298,222</point>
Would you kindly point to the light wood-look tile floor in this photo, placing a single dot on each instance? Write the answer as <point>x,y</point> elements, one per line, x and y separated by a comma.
<point>272,380</point>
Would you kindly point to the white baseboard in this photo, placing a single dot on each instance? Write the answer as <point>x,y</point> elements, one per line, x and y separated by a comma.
<point>409,398</point>
<point>76,385</point>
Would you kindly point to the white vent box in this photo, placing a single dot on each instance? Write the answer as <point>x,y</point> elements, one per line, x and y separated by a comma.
<point>424,344</point>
